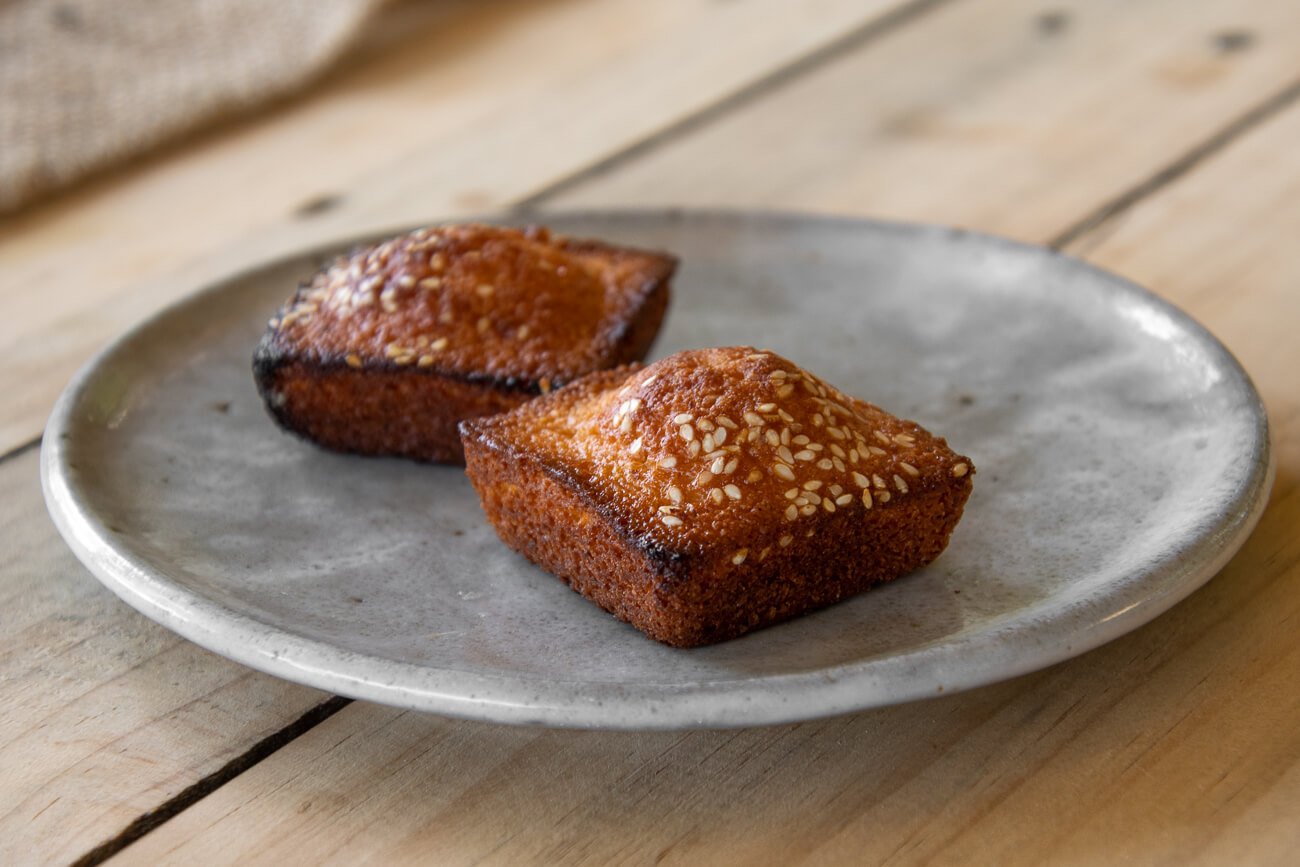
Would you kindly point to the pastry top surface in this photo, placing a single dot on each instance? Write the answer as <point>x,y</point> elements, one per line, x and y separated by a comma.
<point>476,301</point>
<point>720,448</point>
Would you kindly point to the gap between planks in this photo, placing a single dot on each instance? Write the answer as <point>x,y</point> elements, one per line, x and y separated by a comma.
<point>853,40</point>
<point>1089,224</point>
<point>21,449</point>
<point>192,794</point>
<point>1207,148</point>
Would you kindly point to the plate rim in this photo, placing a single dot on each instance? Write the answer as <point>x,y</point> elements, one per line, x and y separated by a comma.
<point>743,702</point>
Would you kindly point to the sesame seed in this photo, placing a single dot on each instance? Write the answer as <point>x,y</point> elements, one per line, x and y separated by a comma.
<point>731,491</point>
<point>825,464</point>
<point>762,555</point>
<point>717,466</point>
<point>810,497</point>
<point>882,496</point>
<point>425,361</point>
<point>816,447</point>
<point>783,471</point>
<point>739,556</point>
<point>704,424</point>
<point>866,499</point>
<point>861,480</point>
<point>430,283</point>
<point>773,438</point>
<point>716,495</point>
<point>683,418</point>
<point>792,493</point>
<point>754,475</point>
<point>900,484</point>
<point>818,419</point>
<point>853,456</point>
<point>483,324</point>
<point>785,416</point>
<point>731,466</point>
<point>353,360</point>
<point>668,463</point>
<point>838,433</point>
<point>720,436</point>
<point>785,540</point>
<point>753,419</point>
<point>784,454</point>
<point>693,449</point>
<point>843,499</point>
<point>808,510</point>
<point>636,445</point>
<point>439,344</point>
<point>835,490</point>
<point>837,451</point>
<point>779,374</point>
<point>785,391</point>
<point>671,521</point>
<point>485,289</point>
<point>704,478</point>
<point>801,440</point>
<point>708,442</point>
<point>814,485</point>
<point>959,470</point>
<point>838,464</point>
<point>791,513</point>
<point>687,432</point>
<point>649,379</point>
<point>785,436</point>
<point>522,332</point>
<point>909,469</point>
<point>880,436</point>
<point>674,493</point>
<point>804,455</point>
<point>828,505</point>
<point>634,404</point>
<point>625,426</point>
<point>766,407</point>
<point>878,452</point>
<point>904,439</point>
<point>727,423</point>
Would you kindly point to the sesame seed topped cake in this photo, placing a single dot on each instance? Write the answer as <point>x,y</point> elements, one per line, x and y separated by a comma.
<point>715,491</point>
<point>386,349</point>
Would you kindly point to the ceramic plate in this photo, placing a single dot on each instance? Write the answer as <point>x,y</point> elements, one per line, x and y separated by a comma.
<point>1122,452</point>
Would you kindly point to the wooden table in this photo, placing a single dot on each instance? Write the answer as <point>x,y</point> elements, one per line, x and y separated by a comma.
<point>1156,138</point>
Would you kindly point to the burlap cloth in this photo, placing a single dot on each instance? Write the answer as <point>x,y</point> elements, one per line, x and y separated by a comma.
<point>84,83</point>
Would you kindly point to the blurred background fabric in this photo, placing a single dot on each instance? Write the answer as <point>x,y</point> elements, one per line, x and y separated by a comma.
<point>86,83</point>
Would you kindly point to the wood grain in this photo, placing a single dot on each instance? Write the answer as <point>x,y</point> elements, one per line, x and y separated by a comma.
<point>103,714</point>
<point>480,105</point>
<point>1173,744</point>
<point>1015,117</point>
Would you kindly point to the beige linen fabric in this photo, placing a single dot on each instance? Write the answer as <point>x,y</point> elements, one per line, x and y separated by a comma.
<point>84,83</point>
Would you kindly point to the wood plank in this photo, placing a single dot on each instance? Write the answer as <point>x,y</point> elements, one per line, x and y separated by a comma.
<point>1172,744</point>
<point>482,104</point>
<point>1010,117</point>
<point>103,715</point>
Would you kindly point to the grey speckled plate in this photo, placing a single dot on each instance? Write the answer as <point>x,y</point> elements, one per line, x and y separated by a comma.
<point>1123,457</point>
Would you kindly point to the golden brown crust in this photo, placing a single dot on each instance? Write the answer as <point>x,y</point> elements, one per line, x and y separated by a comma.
<point>388,348</point>
<point>715,491</point>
